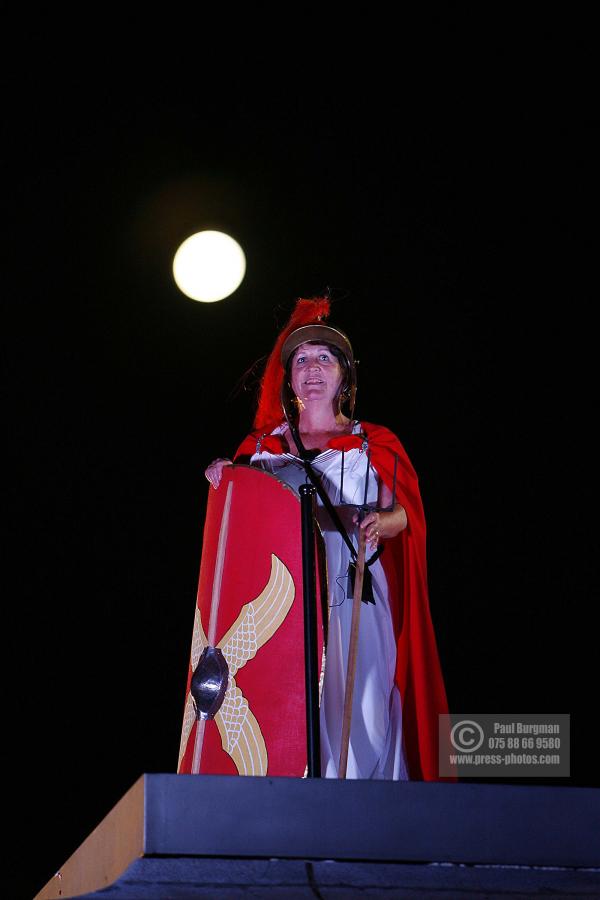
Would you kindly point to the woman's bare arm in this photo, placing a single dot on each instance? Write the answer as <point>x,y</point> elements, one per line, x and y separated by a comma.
<point>381,526</point>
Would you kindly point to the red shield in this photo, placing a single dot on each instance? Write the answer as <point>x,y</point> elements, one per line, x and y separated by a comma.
<point>250,608</point>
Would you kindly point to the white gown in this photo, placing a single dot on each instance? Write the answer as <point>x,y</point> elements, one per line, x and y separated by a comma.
<point>376,747</point>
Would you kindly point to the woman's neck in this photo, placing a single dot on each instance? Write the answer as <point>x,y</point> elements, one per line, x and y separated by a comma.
<point>317,430</point>
<point>317,420</point>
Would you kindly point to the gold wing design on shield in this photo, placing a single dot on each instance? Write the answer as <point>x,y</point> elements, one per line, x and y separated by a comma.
<point>257,621</point>
<point>241,736</point>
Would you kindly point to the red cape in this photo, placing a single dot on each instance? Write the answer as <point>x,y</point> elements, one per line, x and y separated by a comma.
<point>418,671</point>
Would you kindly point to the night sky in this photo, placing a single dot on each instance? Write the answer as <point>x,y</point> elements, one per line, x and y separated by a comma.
<point>458,243</point>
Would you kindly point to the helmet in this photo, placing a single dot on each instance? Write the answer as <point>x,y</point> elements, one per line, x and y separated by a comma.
<point>341,347</point>
<point>321,334</point>
<point>304,325</point>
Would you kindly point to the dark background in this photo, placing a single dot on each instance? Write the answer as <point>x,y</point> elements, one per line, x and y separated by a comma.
<point>458,238</point>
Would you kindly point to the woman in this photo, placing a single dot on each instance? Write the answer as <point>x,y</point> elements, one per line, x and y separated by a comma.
<point>302,432</point>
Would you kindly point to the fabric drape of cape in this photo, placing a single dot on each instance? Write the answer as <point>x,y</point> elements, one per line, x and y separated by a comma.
<point>418,671</point>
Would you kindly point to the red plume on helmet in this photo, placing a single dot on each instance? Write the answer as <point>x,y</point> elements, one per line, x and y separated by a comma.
<point>269,412</point>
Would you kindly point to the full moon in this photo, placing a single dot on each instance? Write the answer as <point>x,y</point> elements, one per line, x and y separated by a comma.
<point>209,266</point>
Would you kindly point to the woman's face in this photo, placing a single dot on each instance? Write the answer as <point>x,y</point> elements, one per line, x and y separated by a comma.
<point>316,374</point>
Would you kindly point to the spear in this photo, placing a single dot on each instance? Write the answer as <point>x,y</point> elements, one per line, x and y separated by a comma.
<point>214,609</point>
<point>353,648</point>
